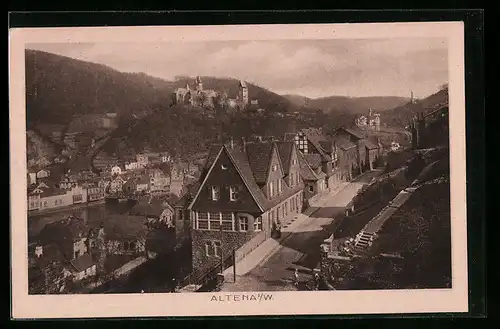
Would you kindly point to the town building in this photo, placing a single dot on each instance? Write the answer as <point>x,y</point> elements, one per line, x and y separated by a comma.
<point>431,128</point>
<point>321,153</point>
<point>368,151</point>
<point>243,197</point>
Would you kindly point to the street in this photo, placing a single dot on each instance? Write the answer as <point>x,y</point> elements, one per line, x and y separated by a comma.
<point>301,249</point>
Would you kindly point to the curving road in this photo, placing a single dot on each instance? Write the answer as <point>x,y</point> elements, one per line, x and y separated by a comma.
<point>302,249</point>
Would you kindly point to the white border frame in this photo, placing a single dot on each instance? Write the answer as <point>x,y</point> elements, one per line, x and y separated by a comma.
<point>201,304</point>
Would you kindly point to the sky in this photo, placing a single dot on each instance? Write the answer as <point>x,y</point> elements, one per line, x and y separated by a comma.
<point>312,68</point>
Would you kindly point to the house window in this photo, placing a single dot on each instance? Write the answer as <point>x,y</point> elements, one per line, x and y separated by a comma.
<point>294,162</point>
<point>285,208</point>
<point>243,223</point>
<point>311,188</point>
<point>271,189</point>
<point>292,204</point>
<point>214,193</point>
<point>227,221</point>
<point>233,193</point>
<point>215,220</point>
<point>257,224</point>
<point>132,246</point>
<point>45,203</point>
<point>217,248</point>
<point>208,248</point>
<point>275,167</point>
<point>202,221</point>
<point>280,187</point>
<point>223,167</point>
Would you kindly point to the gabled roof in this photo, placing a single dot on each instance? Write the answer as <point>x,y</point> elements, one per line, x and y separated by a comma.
<point>285,152</point>
<point>241,162</point>
<point>82,263</point>
<point>306,172</point>
<point>353,132</point>
<point>316,138</point>
<point>243,84</point>
<point>259,158</point>
<point>314,160</point>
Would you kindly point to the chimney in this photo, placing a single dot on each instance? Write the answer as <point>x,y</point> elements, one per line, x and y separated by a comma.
<point>231,144</point>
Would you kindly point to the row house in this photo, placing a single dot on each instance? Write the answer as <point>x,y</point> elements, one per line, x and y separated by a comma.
<point>321,151</point>
<point>347,157</point>
<point>246,192</point>
<point>367,151</point>
<point>44,197</point>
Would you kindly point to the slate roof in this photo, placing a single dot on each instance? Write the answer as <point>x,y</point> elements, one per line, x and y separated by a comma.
<point>285,153</point>
<point>314,160</point>
<point>306,172</point>
<point>343,143</point>
<point>353,132</point>
<point>370,145</point>
<point>82,263</point>
<point>259,157</point>
<point>317,138</point>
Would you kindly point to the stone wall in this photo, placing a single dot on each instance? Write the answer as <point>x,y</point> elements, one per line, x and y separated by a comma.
<point>229,241</point>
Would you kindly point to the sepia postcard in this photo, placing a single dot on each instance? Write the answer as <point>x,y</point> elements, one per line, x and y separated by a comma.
<point>309,169</point>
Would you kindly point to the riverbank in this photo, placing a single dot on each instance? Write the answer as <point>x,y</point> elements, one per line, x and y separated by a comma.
<point>37,213</point>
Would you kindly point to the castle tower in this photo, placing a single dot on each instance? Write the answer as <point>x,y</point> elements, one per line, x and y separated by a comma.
<point>199,84</point>
<point>243,93</point>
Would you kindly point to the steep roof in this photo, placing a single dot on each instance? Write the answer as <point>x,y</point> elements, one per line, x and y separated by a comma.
<point>316,138</point>
<point>241,161</point>
<point>314,160</point>
<point>285,152</point>
<point>259,157</point>
<point>306,172</point>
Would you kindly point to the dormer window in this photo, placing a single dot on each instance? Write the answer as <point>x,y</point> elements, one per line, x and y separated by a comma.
<point>233,193</point>
<point>223,167</point>
<point>294,162</point>
<point>275,167</point>
<point>214,193</point>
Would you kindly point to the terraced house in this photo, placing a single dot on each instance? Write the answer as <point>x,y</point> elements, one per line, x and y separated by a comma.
<point>246,191</point>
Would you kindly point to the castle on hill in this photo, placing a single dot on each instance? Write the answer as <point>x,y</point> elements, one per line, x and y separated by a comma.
<point>372,121</point>
<point>198,96</point>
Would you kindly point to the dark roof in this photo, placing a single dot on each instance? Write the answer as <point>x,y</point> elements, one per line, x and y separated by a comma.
<point>343,143</point>
<point>83,262</point>
<point>241,163</point>
<point>119,226</point>
<point>259,158</point>
<point>353,132</point>
<point>212,155</point>
<point>285,153</point>
<point>306,172</point>
<point>314,160</point>
<point>316,138</point>
<point>370,145</point>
